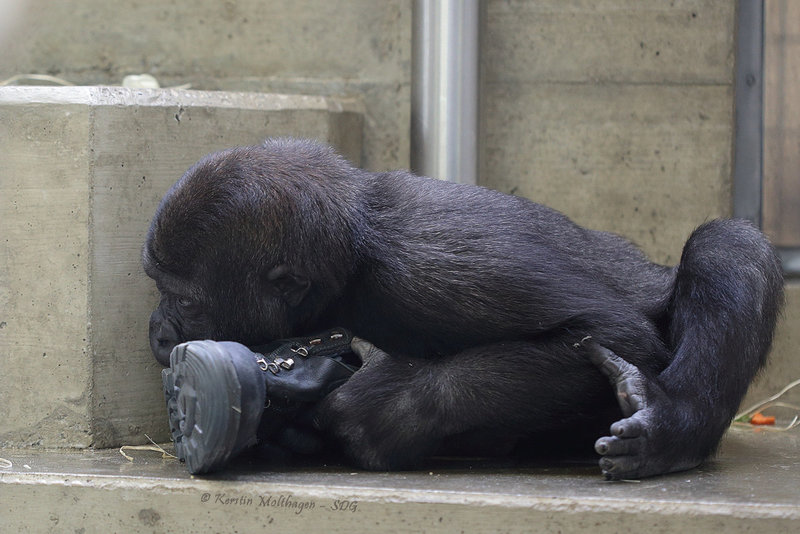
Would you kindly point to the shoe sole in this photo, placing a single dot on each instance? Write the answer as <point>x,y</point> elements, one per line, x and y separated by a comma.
<point>204,406</point>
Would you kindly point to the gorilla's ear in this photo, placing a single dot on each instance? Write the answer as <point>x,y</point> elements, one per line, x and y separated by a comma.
<point>292,287</point>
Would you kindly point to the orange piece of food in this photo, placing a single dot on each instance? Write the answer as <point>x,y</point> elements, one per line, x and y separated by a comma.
<point>760,419</point>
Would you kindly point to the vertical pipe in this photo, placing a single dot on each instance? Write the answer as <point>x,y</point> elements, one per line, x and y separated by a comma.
<point>748,143</point>
<point>444,99</point>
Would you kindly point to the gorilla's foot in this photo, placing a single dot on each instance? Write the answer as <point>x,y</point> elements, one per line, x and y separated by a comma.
<point>642,444</point>
<point>214,402</point>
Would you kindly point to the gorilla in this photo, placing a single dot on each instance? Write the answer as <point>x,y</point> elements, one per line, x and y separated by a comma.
<point>494,324</point>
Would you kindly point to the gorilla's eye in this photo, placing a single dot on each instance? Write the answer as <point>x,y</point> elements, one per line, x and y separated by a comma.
<point>185,302</point>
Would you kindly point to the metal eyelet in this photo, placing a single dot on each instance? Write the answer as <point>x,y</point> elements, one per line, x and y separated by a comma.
<point>301,351</point>
<point>286,364</point>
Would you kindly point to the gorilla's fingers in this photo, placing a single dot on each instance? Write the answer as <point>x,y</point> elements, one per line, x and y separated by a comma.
<point>365,350</point>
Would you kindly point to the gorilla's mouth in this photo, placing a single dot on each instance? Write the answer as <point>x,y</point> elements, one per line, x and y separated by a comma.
<point>162,348</point>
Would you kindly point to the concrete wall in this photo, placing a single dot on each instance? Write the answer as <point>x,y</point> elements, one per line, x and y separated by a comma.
<point>618,113</point>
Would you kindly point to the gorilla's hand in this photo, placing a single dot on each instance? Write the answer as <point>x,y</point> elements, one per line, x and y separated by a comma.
<point>366,351</point>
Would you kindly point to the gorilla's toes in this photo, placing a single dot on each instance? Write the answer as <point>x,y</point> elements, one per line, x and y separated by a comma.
<point>624,452</point>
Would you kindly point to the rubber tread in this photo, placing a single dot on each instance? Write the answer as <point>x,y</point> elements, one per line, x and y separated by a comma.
<point>203,396</point>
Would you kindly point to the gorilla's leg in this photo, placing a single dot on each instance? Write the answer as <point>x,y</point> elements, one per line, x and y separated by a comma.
<point>727,295</point>
<point>395,411</point>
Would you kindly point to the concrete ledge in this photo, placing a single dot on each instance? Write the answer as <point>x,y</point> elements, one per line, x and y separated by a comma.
<point>751,486</point>
<point>82,171</point>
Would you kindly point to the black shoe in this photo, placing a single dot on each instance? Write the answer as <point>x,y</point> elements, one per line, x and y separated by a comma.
<point>223,397</point>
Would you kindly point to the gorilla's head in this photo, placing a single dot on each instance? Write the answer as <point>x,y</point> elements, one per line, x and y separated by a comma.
<point>250,244</point>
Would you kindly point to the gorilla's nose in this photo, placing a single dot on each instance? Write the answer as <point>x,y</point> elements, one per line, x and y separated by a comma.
<point>163,337</point>
<point>162,347</point>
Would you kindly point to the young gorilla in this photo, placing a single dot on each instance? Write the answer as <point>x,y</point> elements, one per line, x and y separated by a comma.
<point>493,318</point>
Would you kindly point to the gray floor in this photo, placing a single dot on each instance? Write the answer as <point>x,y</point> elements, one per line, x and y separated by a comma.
<point>753,484</point>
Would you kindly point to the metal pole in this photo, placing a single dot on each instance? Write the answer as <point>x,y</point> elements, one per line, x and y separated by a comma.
<point>444,98</point>
<point>748,153</point>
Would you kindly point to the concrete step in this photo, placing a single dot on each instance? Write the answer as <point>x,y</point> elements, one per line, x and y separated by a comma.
<point>752,486</point>
<point>81,173</point>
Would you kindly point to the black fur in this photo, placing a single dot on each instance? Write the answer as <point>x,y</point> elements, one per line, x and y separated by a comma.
<point>493,311</point>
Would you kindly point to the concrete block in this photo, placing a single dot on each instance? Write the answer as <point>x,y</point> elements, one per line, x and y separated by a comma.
<point>321,47</point>
<point>45,371</point>
<point>650,162</point>
<point>81,172</point>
